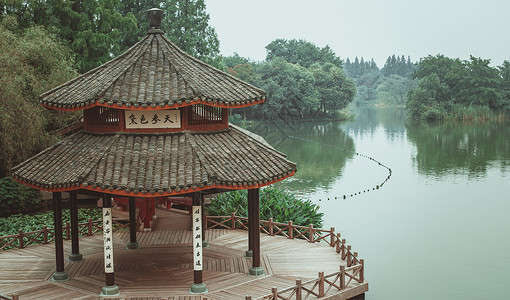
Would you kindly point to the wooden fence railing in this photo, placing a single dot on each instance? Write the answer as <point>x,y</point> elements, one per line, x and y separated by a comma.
<point>319,287</point>
<point>47,235</point>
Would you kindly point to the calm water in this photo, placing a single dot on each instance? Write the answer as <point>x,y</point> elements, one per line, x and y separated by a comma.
<point>438,228</point>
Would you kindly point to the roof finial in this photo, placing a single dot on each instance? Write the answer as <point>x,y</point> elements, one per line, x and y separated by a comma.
<point>155,15</point>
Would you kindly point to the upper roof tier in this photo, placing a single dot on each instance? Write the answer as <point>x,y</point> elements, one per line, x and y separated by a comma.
<point>153,74</point>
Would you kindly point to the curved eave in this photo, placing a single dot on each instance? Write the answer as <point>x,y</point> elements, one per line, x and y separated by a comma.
<point>142,194</point>
<point>144,106</point>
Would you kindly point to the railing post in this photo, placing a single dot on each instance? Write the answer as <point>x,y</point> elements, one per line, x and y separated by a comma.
<point>343,249</point>
<point>270,226</point>
<point>247,298</point>
<point>45,235</point>
<point>311,234</point>
<point>362,271</point>
<point>299,290</point>
<point>355,256</point>
<point>321,284</point>
<point>15,297</point>
<point>233,221</point>
<point>291,231</point>
<point>337,243</point>
<point>21,243</point>
<point>332,236</point>
<point>274,291</point>
<point>349,258</point>
<point>342,277</point>
<point>89,227</point>
<point>68,231</point>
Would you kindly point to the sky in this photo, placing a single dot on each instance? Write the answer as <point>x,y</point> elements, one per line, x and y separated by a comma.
<point>367,28</point>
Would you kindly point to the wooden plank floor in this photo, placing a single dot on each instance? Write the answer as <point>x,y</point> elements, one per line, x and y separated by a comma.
<point>162,269</point>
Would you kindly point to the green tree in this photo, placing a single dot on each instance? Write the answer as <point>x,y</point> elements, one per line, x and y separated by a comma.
<point>334,89</point>
<point>504,72</point>
<point>301,52</point>
<point>186,24</point>
<point>394,89</point>
<point>290,89</point>
<point>92,28</point>
<point>31,62</point>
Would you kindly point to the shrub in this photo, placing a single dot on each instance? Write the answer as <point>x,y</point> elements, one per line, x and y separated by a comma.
<point>27,223</point>
<point>17,198</point>
<point>276,203</point>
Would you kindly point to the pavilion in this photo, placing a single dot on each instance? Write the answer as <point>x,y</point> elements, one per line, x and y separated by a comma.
<point>155,125</point>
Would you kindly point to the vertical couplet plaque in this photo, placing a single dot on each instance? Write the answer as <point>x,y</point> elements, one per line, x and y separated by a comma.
<point>197,238</point>
<point>108,239</point>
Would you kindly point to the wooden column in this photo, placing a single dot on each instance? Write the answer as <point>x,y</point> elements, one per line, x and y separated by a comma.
<point>133,244</point>
<point>110,289</point>
<point>197,287</point>
<point>60,274</point>
<point>249,252</point>
<point>75,242</point>
<point>205,244</point>
<point>256,269</point>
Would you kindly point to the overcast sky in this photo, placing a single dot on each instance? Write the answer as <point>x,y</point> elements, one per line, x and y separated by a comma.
<point>369,28</point>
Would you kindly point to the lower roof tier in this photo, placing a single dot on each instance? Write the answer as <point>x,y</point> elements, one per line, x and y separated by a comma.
<point>147,165</point>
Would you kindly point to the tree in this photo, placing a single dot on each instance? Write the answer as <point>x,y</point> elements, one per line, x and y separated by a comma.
<point>186,24</point>
<point>301,52</point>
<point>290,90</point>
<point>31,61</point>
<point>334,89</point>
<point>504,73</point>
<point>93,29</point>
<point>394,89</point>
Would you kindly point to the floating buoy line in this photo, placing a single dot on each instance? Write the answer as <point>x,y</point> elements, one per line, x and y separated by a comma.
<point>345,196</point>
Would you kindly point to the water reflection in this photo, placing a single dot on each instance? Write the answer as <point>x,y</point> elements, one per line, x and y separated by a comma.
<point>320,149</point>
<point>454,148</point>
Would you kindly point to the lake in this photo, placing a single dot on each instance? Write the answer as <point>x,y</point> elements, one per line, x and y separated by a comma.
<point>438,228</point>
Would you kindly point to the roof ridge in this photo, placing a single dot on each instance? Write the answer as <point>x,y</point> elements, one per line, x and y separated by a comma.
<point>94,167</point>
<point>210,66</point>
<point>195,147</point>
<point>125,53</point>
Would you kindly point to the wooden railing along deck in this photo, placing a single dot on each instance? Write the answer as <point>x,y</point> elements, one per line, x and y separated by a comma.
<point>318,287</point>
<point>47,235</point>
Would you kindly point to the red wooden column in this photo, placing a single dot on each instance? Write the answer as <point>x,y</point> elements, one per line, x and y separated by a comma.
<point>75,243</point>
<point>60,274</point>
<point>256,269</point>
<point>197,287</point>
<point>133,244</point>
<point>110,289</point>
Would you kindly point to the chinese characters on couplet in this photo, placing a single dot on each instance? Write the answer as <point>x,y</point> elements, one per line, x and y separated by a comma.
<point>108,239</point>
<point>153,119</point>
<point>197,238</point>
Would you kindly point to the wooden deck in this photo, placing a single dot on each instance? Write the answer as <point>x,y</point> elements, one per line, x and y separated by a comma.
<point>162,269</point>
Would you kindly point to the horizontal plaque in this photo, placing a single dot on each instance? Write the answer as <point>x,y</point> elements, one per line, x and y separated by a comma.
<point>136,119</point>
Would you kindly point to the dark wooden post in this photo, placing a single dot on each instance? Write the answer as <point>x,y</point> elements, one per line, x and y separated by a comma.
<point>110,289</point>
<point>256,269</point>
<point>75,242</point>
<point>60,274</point>
<point>205,244</point>
<point>197,287</point>
<point>133,244</point>
<point>249,252</point>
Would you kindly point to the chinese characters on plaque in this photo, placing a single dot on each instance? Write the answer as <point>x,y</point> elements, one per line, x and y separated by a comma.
<point>197,238</point>
<point>152,119</point>
<point>108,239</point>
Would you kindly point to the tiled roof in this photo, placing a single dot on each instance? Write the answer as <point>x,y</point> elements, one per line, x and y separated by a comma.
<point>154,73</point>
<point>160,164</point>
